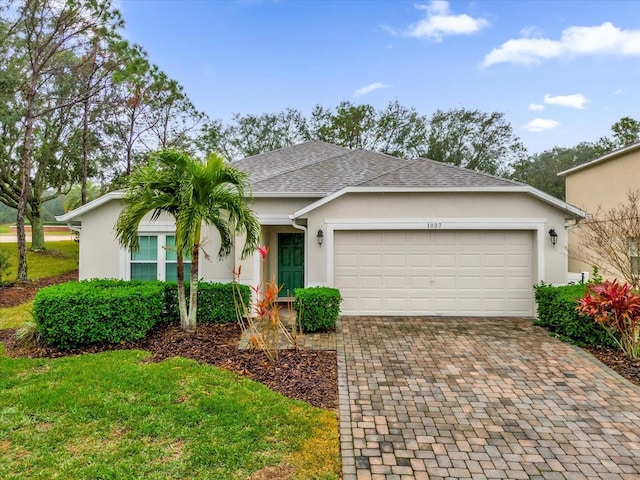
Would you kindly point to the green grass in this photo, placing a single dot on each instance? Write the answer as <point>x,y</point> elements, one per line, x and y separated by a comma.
<point>4,228</point>
<point>113,415</point>
<point>60,257</point>
<point>15,316</point>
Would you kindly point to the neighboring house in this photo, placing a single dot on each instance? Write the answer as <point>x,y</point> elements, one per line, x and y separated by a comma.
<point>602,183</point>
<point>396,237</point>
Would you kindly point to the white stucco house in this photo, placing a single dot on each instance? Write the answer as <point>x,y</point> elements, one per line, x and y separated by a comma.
<point>397,237</point>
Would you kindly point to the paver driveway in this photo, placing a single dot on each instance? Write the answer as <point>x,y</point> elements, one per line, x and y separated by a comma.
<point>479,398</point>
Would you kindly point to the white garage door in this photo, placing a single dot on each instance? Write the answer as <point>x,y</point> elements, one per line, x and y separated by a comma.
<point>475,273</point>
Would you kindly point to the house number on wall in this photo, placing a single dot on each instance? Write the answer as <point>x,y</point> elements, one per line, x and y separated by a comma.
<point>434,225</point>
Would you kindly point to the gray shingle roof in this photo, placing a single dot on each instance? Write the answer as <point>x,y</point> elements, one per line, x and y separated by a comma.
<point>322,168</point>
<point>427,173</point>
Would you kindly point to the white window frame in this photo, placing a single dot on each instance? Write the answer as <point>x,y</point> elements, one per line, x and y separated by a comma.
<point>161,262</point>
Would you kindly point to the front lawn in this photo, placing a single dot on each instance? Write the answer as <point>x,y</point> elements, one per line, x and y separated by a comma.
<point>14,317</point>
<point>60,257</point>
<point>114,415</point>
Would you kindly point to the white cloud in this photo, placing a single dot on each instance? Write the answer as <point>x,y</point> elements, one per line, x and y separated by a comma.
<point>369,88</point>
<point>540,124</point>
<point>619,91</point>
<point>531,32</point>
<point>577,100</point>
<point>536,107</point>
<point>605,39</point>
<point>440,22</point>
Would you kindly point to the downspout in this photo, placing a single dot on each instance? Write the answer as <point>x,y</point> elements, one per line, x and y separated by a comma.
<point>306,247</point>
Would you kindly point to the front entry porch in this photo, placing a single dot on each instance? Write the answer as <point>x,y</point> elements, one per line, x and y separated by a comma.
<point>285,263</point>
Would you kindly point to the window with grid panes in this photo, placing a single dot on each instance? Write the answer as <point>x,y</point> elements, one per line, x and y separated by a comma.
<point>157,259</point>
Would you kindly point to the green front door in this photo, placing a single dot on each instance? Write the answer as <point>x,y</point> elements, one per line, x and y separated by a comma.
<point>290,262</point>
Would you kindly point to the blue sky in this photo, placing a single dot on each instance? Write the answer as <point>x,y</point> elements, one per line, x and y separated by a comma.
<point>561,71</point>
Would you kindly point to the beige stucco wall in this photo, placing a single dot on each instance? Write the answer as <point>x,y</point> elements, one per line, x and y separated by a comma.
<point>102,257</point>
<point>472,210</point>
<point>99,250</point>
<point>604,184</point>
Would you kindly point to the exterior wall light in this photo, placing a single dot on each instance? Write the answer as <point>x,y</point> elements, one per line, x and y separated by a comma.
<point>554,237</point>
<point>320,237</point>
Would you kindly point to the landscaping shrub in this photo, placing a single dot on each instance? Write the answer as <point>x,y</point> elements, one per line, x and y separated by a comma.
<point>616,307</point>
<point>317,308</point>
<point>98,311</point>
<point>215,301</point>
<point>557,312</point>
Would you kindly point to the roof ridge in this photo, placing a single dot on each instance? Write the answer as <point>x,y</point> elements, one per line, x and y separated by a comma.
<point>484,174</point>
<point>318,162</point>
<point>400,167</point>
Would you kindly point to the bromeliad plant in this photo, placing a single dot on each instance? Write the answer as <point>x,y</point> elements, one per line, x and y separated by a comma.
<point>616,307</point>
<point>261,321</point>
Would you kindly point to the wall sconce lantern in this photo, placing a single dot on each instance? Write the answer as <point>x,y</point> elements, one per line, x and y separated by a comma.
<point>554,237</point>
<point>320,237</point>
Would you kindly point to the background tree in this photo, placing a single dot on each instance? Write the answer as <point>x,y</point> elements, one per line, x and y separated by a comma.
<point>397,130</point>
<point>350,126</point>
<point>79,194</point>
<point>541,170</point>
<point>192,192</point>
<point>39,43</point>
<point>611,240</point>
<point>473,139</point>
<point>253,134</point>
<point>624,132</point>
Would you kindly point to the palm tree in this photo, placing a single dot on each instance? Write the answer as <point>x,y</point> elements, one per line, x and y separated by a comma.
<point>193,192</point>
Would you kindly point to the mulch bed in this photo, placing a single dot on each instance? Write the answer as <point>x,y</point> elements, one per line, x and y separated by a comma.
<point>310,376</point>
<point>618,361</point>
<point>304,375</point>
<point>12,295</point>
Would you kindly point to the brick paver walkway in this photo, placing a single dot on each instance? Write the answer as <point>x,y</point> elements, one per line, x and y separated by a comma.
<point>434,398</point>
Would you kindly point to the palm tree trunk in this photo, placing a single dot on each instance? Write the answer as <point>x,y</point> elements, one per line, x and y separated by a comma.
<point>182,297</point>
<point>193,297</point>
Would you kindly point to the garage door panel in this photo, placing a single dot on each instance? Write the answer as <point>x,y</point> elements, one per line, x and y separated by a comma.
<point>418,260</point>
<point>468,283</point>
<point>444,239</point>
<point>496,239</point>
<point>349,281</point>
<point>522,261</point>
<point>395,260</point>
<point>435,272</point>
<point>468,238</point>
<point>444,283</point>
<point>370,260</point>
<point>371,304</point>
<point>444,260</point>
<point>346,260</point>
<point>374,239</point>
<point>418,239</point>
<point>469,260</point>
<point>419,281</point>
<point>367,281</point>
<point>392,281</point>
<point>494,260</point>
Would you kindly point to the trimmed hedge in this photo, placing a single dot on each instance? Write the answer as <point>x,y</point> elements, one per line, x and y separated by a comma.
<point>317,308</point>
<point>97,311</point>
<point>557,312</point>
<point>215,301</point>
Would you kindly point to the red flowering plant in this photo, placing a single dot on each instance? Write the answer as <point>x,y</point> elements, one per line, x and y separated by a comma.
<point>261,321</point>
<point>617,307</point>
